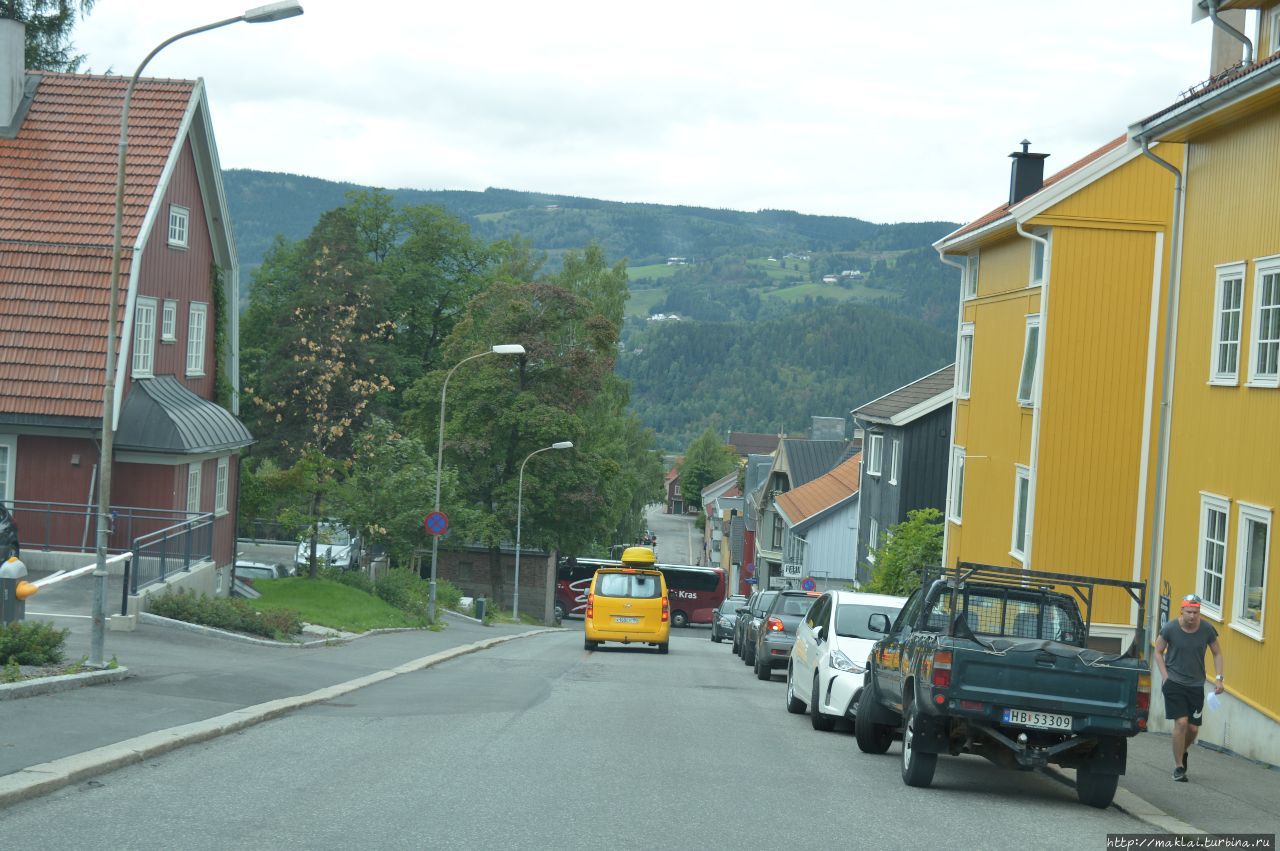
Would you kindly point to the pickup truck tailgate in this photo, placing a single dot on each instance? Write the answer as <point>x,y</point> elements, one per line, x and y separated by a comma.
<point>1048,676</point>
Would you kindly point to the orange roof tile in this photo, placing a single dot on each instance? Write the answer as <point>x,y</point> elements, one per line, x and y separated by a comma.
<point>57,210</point>
<point>801,503</point>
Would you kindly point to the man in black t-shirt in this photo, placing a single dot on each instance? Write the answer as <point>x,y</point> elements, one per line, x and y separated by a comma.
<point>1180,655</point>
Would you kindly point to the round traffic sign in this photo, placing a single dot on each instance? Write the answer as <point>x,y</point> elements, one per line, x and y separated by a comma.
<point>808,585</point>
<point>751,568</point>
<point>436,523</point>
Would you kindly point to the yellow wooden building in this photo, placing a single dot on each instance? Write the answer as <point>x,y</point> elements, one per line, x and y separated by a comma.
<point>1056,372</point>
<point>1219,470</point>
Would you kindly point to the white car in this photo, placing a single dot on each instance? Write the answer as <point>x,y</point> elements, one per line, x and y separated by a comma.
<point>833,643</point>
<point>335,547</point>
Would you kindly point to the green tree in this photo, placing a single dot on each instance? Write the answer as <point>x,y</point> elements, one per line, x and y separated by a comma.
<point>707,459</point>
<point>909,547</point>
<point>48,38</point>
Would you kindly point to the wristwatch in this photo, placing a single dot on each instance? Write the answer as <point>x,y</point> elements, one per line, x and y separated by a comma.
<point>1218,677</point>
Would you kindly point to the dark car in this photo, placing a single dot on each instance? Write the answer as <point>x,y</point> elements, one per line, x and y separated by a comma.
<point>753,622</point>
<point>723,621</point>
<point>777,634</point>
<point>739,622</point>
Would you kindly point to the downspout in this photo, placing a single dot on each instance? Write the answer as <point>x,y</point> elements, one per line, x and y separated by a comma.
<point>1037,392</point>
<point>1212,7</point>
<point>1156,551</point>
<point>955,390</point>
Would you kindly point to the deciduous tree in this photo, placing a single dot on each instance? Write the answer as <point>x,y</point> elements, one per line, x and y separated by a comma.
<point>908,547</point>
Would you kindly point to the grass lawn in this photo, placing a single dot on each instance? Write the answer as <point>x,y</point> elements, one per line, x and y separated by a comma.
<point>776,271</point>
<point>858,292</point>
<point>642,302</point>
<point>330,604</point>
<point>654,270</point>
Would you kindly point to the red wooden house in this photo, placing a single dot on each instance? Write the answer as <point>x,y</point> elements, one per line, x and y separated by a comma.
<point>177,439</point>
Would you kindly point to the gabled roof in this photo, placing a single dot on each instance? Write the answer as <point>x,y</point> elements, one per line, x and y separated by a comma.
<point>808,459</point>
<point>824,493</point>
<point>162,415</point>
<point>753,443</point>
<point>57,210</point>
<point>727,483</point>
<point>912,401</point>
<point>1255,83</point>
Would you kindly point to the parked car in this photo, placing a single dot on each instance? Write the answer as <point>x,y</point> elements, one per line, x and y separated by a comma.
<point>752,622</point>
<point>247,571</point>
<point>628,604</point>
<point>996,661</point>
<point>739,622</point>
<point>336,546</point>
<point>777,634</point>
<point>829,659</point>
<point>723,621</point>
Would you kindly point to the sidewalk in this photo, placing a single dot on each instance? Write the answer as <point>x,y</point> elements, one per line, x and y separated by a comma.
<point>178,677</point>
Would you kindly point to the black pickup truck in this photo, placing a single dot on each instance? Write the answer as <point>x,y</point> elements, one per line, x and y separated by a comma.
<point>995,661</point>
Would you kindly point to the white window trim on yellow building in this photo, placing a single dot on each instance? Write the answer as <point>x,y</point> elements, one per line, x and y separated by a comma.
<point>1021,479</point>
<point>955,489</point>
<point>971,266</point>
<point>1228,316</point>
<point>1264,347</point>
<point>1212,553</point>
<point>1028,376</point>
<point>1273,23</point>
<point>1039,258</point>
<point>1250,514</point>
<point>964,361</point>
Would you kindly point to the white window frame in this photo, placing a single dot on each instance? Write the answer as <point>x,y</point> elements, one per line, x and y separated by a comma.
<point>179,226</point>
<point>1223,370</point>
<point>8,467</point>
<point>895,460</point>
<point>169,321</point>
<point>1038,270</point>
<point>193,487</point>
<point>1269,346</point>
<point>1273,25</point>
<point>955,489</point>
<point>196,334</point>
<point>144,338</point>
<point>1212,554</point>
<point>875,454</point>
<point>964,361</point>
<point>1028,384</point>
<point>220,486</point>
<point>970,276</point>
<point>873,539</point>
<point>1021,512</point>
<point>1245,515</point>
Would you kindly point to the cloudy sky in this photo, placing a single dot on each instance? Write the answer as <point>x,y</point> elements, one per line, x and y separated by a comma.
<point>887,111</point>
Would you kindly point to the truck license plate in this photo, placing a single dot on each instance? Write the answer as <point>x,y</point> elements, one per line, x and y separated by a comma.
<point>1043,720</point>
<point>626,620</point>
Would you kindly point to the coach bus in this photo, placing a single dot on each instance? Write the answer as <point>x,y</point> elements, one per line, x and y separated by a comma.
<point>694,592</point>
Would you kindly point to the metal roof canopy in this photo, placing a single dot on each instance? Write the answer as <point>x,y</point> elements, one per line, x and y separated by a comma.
<point>162,415</point>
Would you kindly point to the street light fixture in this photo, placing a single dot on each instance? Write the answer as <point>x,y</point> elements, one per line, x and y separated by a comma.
<point>258,15</point>
<point>501,349</point>
<point>515,597</point>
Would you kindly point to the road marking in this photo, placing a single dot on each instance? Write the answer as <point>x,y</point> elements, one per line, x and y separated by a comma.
<point>60,615</point>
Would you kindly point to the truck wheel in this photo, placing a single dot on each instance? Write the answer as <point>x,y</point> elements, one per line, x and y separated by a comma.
<point>917,767</point>
<point>679,619</point>
<point>822,722</point>
<point>1095,789</point>
<point>794,704</point>
<point>872,738</point>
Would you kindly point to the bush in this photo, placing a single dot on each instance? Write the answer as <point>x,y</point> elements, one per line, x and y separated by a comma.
<point>351,578</point>
<point>32,643</point>
<point>448,595</point>
<point>228,613</point>
<point>403,589</point>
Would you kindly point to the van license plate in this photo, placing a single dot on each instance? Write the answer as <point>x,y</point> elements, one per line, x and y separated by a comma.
<point>1043,720</point>
<point>625,620</point>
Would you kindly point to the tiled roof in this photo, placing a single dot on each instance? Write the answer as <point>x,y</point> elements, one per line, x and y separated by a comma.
<point>753,443</point>
<point>1003,210</point>
<point>1212,85</point>
<point>799,504</point>
<point>905,398</point>
<point>57,209</point>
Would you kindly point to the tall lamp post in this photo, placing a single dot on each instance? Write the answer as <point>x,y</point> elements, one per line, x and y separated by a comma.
<point>258,15</point>
<point>503,349</point>
<point>563,444</point>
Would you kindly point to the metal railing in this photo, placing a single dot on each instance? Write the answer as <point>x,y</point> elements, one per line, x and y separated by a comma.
<point>170,550</point>
<point>69,526</point>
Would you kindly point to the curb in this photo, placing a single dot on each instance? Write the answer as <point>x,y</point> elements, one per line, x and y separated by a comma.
<point>198,629</point>
<point>51,776</point>
<point>1131,805</point>
<point>62,682</point>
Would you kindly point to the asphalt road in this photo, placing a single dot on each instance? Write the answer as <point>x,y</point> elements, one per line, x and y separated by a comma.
<point>678,541</point>
<point>540,744</point>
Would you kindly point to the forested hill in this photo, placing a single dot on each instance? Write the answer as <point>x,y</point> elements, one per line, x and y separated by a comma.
<point>771,376</point>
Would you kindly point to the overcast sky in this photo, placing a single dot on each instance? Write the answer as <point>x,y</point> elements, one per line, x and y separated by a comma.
<point>887,111</point>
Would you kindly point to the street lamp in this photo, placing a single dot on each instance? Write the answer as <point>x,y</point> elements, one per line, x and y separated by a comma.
<point>515,598</point>
<point>503,349</point>
<point>258,15</point>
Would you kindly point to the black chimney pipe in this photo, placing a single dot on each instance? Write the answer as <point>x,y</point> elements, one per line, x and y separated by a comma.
<point>1027,174</point>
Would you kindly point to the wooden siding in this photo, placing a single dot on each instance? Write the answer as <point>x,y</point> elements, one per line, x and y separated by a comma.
<point>878,499</point>
<point>831,543</point>
<point>46,470</point>
<point>1224,438</point>
<point>181,274</point>
<point>1004,266</point>
<point>1094,382</point>
<point>925,452</point>
<point>1137,192</point>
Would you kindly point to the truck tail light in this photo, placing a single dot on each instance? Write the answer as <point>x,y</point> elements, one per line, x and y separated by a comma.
<point>591,604</point>
<point>1143,699</point>
<point>666,610</point>
<point>942,669</point>
<point>773,625</point>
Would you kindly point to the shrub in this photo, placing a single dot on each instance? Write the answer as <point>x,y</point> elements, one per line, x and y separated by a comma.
<point>448,595</point>
<point>228,613</point>
<point>32,643</point>
<point>403,589</point>
<point>352,578</point>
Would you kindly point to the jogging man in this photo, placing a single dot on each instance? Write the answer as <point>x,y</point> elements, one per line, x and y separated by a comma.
<point>1180,655</point>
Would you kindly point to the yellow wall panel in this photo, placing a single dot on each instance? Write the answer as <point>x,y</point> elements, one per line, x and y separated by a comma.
<point>1004,266</point>
<point>1137,191</point>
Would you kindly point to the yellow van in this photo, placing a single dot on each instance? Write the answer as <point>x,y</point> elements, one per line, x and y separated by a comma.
<point>628,604</point>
